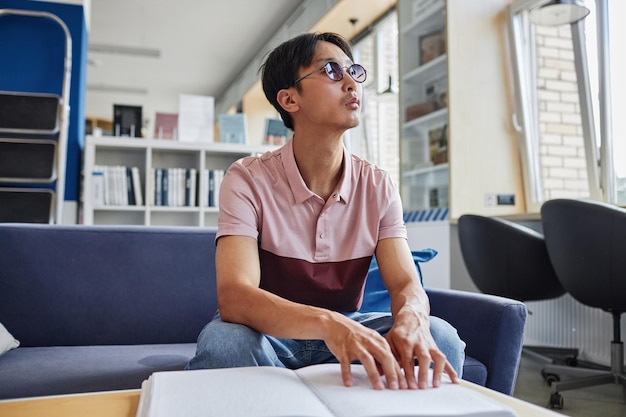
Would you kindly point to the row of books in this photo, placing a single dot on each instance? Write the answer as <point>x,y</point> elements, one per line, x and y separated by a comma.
<point>170,187</point>
<point>116,186</point>
<point>173,187</point>
<point>181,187</point>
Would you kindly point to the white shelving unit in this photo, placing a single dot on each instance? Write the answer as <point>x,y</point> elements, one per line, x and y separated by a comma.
<point>147,154</point>
<point>424,167</point>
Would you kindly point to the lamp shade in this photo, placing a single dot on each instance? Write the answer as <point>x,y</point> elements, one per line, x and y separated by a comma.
<point>559,12</point>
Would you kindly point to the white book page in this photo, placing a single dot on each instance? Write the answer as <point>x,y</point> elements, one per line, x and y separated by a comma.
<point>234,392</point>
<point>361,400</point>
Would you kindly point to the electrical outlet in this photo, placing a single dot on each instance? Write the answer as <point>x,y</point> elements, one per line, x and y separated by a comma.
<point>490,200</point>
<point>506,199</point>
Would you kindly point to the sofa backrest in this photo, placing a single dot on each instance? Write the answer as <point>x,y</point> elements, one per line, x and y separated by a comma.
<point>104,285</point>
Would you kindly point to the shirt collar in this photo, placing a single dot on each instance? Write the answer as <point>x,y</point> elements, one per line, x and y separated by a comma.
<point>300,191</point>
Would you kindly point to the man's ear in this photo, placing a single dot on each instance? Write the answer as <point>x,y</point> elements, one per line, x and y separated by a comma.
<point>287,101</point>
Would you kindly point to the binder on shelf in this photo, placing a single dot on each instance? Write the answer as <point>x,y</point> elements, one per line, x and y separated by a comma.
<point>98,187</point>
<point>137,186</point>
<point>214,179</point>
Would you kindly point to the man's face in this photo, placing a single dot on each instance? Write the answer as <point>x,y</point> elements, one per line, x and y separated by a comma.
<point>323,101</point>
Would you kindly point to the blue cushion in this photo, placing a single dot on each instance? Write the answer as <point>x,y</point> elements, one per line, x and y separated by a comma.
<point>376,297</point>
<point>56,370</point>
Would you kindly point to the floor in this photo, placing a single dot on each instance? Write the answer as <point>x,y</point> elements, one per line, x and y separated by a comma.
<point>601,401</point>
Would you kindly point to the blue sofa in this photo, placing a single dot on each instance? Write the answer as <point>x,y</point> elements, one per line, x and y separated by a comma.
<point>99,308</point>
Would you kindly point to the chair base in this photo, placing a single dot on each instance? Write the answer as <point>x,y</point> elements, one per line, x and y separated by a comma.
<point>585,377</point>
<point>551,355</point>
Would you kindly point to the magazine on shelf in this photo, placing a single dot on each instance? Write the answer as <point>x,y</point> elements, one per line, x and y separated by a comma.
<point>233,128</point>
<point>313,391</point>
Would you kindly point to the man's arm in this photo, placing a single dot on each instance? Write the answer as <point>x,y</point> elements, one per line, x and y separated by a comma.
<point>241,301</point>
<point>410,336</point>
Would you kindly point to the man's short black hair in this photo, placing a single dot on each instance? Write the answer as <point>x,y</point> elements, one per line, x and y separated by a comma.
<point>280,69</point>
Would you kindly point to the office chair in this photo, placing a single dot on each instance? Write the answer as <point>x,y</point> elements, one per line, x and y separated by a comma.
<point>510,260</point>
<point>586,243</point>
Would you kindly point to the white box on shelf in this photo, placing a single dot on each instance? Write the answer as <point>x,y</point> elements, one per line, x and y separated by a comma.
<point>196,118</point>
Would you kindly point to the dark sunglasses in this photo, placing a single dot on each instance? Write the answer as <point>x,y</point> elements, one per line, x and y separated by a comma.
<point>335,72</point>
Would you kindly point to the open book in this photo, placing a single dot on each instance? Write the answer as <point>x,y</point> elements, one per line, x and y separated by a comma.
<point>313,391</point>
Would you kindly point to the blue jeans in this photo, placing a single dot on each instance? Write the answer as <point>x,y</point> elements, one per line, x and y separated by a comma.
<point>227,345</point>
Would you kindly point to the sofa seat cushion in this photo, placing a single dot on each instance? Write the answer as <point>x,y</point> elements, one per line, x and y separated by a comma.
<point>474,371</point>
<point>39,371</point>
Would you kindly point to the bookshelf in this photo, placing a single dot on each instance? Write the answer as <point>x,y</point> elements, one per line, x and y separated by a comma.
<point>148,155</point>
<point>423,104</point>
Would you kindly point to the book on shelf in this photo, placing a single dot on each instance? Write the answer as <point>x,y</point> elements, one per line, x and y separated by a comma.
<point>127,120</point>
<point>213,180</point>
<point>166,126</point>
<point>137,186</point>
<point>116,185</point>
<point>313,391</point>
<point>173,187</point>
<point>195,118</point>
<point>233,128</point>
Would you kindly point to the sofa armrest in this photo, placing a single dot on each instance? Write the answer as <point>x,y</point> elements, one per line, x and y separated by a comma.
<point>491,326</point>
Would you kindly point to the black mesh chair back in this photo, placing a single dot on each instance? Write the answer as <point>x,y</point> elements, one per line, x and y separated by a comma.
<point>586,242</point>
<point>507,259</point>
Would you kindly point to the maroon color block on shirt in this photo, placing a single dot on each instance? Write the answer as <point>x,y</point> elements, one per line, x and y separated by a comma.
<point>337,286</point>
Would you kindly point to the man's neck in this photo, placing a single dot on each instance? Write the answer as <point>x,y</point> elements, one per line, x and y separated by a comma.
<point>320,162</point>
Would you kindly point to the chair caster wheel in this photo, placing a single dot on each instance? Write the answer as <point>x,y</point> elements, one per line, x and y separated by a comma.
<point>556,401</point>
<point>550,378</point>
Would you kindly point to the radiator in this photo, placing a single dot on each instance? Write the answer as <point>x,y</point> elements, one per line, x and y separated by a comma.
<point>564,322</point>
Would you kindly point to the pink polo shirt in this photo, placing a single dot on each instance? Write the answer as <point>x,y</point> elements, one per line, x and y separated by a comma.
<point>312,251</point>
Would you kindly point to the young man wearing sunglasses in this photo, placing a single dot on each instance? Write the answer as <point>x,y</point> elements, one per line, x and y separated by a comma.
<point>297,229</point>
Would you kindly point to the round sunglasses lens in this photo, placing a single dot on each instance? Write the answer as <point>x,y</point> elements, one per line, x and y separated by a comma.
<point>357,72</point>
<point>334,71</point>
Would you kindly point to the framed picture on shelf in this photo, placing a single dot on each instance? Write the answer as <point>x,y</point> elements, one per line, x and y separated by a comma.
<point>432,46</point>
<point>276,132</point>
<point>233,128</point>
<point>127,120</point>
<point>166,126</point>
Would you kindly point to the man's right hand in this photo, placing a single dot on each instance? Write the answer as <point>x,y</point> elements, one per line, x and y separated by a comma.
<point>351,341</point>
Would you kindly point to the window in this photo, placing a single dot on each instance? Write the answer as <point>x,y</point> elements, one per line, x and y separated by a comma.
<point>563,113</point>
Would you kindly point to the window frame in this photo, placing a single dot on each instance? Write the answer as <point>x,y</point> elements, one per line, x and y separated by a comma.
<point>599,164</point>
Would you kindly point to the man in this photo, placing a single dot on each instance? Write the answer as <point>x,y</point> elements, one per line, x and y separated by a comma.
<point>297,229</point>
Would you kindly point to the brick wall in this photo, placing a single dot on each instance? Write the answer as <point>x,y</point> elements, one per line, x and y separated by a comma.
<point>561,150</point>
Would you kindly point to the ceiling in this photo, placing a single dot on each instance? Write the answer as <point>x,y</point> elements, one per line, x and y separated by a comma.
<point>147,52</point>
<point>202,45</point>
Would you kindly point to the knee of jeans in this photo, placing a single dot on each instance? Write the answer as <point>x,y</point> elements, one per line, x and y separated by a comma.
<point>221,336</point>
<point>449,342</point>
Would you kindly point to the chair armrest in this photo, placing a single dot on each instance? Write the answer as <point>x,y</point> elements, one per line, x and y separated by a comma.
<point>491,326</point>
